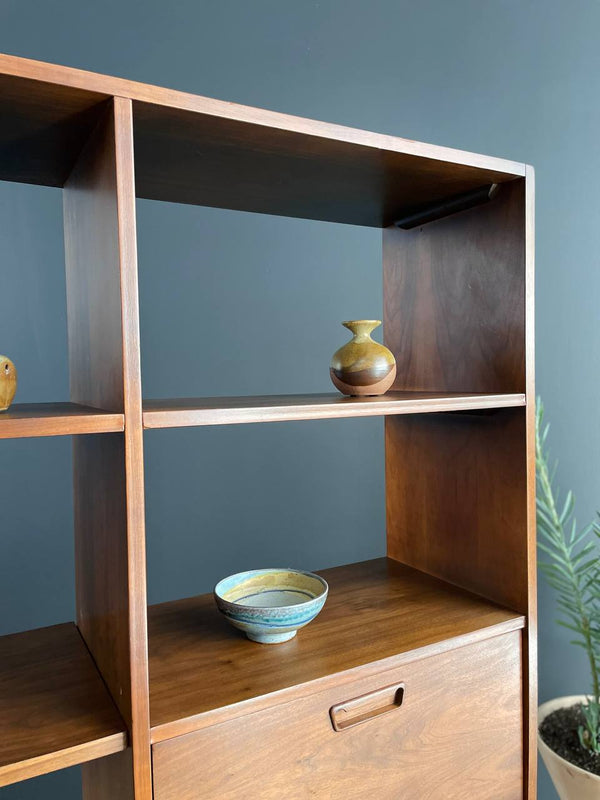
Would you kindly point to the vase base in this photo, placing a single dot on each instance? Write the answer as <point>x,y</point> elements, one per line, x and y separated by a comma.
<point>375,389</point>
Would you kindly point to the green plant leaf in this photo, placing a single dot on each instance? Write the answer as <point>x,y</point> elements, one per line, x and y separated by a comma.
<point>572,568</point>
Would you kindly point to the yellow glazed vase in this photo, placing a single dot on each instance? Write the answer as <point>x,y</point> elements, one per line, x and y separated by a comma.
<point>362,367</point>
<point>8,382</point>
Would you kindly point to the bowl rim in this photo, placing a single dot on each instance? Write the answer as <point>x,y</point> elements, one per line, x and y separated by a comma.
<point>253,572</point>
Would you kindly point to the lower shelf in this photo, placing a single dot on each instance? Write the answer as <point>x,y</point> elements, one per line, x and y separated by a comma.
<point>379,613</point>
<point>55,711</point>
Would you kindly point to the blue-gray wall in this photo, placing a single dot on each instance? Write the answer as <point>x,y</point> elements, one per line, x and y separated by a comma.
<point>513,78</point>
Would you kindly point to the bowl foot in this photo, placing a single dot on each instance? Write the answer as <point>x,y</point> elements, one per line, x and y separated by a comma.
<point>271,638</point>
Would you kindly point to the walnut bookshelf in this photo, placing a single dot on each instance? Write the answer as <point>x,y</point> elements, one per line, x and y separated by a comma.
<point>150,701</point>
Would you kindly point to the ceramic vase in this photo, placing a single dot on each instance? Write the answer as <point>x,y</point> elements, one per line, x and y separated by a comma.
<point>8,382</point>
<point>362,367</point>
<point>571,782</point>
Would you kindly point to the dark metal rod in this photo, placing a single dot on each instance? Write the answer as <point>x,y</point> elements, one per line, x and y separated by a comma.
<point>452,205</point>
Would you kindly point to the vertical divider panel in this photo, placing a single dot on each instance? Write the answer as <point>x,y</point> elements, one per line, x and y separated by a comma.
<point>460,488</point>
<point>104,361</point>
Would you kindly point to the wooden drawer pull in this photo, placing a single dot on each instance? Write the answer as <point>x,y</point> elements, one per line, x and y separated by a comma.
<point>366,707</point>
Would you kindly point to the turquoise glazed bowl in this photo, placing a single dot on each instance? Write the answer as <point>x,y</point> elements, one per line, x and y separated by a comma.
<point>270,605</point>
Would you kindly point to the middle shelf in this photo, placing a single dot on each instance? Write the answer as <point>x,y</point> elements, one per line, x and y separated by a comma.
<point>184,412</point>
<point>57,419</point>
<point>379,613</point>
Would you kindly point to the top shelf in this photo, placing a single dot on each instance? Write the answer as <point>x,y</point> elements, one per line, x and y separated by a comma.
<point>193,149</point>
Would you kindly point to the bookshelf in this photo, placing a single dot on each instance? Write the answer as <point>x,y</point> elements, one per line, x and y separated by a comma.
<point>146,698</point>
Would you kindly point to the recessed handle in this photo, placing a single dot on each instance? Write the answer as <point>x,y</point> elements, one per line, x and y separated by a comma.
<point>366,707</point>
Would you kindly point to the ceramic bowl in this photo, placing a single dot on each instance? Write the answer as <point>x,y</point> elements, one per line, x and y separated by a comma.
<point>270,605</point>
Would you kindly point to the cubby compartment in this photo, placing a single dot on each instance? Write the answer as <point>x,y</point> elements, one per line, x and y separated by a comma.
<point>34,286</point>
<point>55,709</point>
<point>451,294</point>
<point>263,334</point>
<point>202,485</point>
<point>324,507</point>
<point>230,305</point>
<point>36,497</point>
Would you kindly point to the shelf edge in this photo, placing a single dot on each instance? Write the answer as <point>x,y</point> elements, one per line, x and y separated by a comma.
<point>61,759</point>
<point>108,86</point>
<point>64,425</point>
<point>183,418</point>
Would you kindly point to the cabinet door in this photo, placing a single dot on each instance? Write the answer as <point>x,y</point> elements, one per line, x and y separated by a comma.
<point>447,727</point>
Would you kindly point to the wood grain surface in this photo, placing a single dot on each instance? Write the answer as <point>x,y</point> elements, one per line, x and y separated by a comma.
<point>54,708</point>
<point>459,316</point>
<point>377,612</point>
<point>134,449</point>
<point>182,412</point>
<point>458,734</point>
<point>68,78</point>
<point>108,493</point>
<point>197,150</point>
<point>457,500</point>
<point>44,126</point>
<point>190,156</point>
<point>454,299</point>
<point>56,419</point>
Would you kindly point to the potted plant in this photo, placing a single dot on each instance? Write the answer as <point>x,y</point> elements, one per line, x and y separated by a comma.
<point>569,727</point>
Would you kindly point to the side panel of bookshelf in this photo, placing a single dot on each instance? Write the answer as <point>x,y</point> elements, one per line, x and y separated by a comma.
<point>530,638</point>
<point>458,310</point>
<point>454,299</point>
<point>457,500</point>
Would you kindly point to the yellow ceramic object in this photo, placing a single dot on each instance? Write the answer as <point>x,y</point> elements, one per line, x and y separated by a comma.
<point>8,382</point>
<point>362,367</point>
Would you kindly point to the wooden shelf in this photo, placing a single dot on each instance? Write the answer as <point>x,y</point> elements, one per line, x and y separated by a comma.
<point>54,708</point>
<point>180,413</point>
<point>192,149</point>
<point>202,670</point>
<point>228,156</point>
<point>56,419</point>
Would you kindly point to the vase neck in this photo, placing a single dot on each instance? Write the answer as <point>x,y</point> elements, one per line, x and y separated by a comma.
<point>362,328</point>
